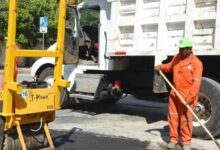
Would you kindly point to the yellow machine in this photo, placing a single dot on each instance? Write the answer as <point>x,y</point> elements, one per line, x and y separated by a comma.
<point>30,105</point>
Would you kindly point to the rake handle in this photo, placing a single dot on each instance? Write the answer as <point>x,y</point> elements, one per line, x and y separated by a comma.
<point>184,102</point>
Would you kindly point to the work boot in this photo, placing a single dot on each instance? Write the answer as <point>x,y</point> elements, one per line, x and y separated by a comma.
<point>171,145</point>
<point>186,147</point>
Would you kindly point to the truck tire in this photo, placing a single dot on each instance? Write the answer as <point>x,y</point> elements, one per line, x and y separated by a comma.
<point>103,93</point>
<point>208,109</point>
<point>47,75</point>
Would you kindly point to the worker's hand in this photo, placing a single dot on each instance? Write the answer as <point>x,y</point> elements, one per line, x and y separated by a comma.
<point>157,68</point>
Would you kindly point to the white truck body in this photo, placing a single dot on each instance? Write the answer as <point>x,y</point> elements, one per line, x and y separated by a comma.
<point>134,36</point>
<point>151,28</point>
<point>143,27</point>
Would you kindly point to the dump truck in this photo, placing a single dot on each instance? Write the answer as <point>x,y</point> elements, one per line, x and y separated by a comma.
<point>26,108</point>
<point>115,56</point>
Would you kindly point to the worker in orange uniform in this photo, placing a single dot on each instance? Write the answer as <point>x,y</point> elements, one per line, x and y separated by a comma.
<point>187,75</point>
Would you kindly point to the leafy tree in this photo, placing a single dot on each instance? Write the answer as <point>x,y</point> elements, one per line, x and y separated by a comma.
<point>90,18</point>
<point>3,17</point>
<point>29,12</point>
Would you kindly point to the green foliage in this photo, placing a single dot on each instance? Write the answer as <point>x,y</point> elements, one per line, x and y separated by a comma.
<point>3,17</point>
<point>29,12</point>
<point>89,17</point>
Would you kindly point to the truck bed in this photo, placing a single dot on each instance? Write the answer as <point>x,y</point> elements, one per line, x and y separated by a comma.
<point>146,27</point>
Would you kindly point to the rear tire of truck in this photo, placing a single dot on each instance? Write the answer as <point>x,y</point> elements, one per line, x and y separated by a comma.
<point>208,109</point>
<point>104,95</point>
<point>47,75</point>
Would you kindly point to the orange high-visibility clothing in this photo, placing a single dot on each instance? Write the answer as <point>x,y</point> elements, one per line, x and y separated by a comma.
<point>187,76</point>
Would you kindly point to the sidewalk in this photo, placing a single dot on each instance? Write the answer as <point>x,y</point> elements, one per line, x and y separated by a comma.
<point>20,71</point>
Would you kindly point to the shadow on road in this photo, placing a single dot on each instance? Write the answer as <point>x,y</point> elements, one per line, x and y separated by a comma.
<point>164,133</point>
<point>61,139</point>
<point>153,112</point>
<point>76,140</point>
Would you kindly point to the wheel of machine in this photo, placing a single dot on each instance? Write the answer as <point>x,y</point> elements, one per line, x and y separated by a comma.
<point>208,109</point>
<point>47,75</point>
<point>2,126</point>
<point>33,140</point>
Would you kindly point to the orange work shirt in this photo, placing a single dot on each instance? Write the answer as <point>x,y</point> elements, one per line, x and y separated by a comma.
<point>187,75</point>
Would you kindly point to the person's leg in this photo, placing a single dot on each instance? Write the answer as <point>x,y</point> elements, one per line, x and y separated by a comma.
<point>173,119</point>
<point>186,125</point>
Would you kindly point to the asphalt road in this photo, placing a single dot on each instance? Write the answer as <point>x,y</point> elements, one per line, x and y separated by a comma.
<point>105,127</point>
<point>130,121</point>
<point>129,124</point>
<point>73,140</point>
<point>76,139</point>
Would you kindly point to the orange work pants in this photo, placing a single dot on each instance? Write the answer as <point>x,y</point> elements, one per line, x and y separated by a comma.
<point>180,118</point>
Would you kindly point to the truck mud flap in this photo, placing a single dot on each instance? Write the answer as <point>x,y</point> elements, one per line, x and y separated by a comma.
<point>159,85</point>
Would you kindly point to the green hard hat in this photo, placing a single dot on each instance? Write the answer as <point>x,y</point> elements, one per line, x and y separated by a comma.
<point>185,43</point>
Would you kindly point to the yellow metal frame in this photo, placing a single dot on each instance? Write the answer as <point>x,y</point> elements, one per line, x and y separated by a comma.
<point>18,111</point>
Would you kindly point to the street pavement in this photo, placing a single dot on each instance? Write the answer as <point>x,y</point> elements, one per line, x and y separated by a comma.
<point>130,124</point>
<point>129,119</point>
<point>75,140</point>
